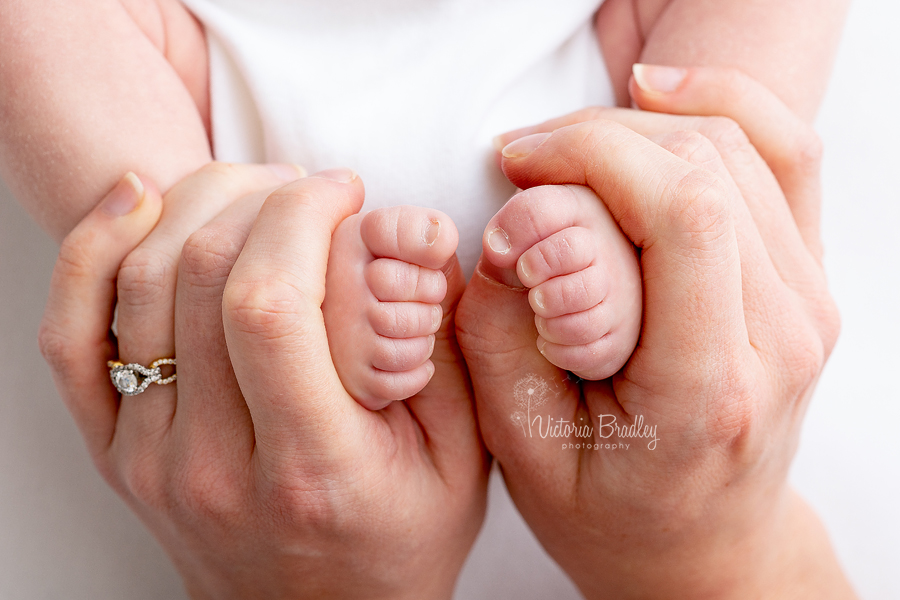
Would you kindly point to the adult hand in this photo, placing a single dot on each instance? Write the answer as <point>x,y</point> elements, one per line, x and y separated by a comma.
<point>688,496</point>
<point>265,479</point>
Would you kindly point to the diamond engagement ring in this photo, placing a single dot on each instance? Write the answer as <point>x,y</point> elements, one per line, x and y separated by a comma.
<point>132,379</point>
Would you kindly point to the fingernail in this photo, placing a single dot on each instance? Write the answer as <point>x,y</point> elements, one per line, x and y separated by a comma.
<point>539,298</point>
<point>430,367</point>
<point>499,241</point>
<point>657,79</point>
<point>524,145</point>
<point>432,230</point>
<point>437,315</point>
<point>339,175</point>
<point>430,344</point>
<point>125,197</point>
<point>288,172</point>
<point>541,344</point>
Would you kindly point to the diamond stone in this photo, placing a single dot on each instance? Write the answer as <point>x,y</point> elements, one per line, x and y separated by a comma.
<point>126,381</point>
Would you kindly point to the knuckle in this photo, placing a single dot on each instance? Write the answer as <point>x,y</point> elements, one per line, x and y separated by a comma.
<point>697,203</point>
<point>807,151</point>
<point>804,360</point>
<point>691,146</point>
<point>56,348</point>
<point>268,307</point>
<point>726,134</point>
<point>830,325</point>
<point>75,260</point>
<point>143,277</point>
<point>198,492</point>
<point>208,255</point>
<point>141,480</point>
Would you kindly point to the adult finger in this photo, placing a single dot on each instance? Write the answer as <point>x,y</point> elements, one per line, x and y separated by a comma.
<point>273,319</point>
<point>74,335</point>
<point>147,279</point>
<point>211,411</point>
<point>787,143</point>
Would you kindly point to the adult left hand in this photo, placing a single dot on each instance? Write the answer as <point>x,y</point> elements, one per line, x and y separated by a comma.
<point>737,325</point>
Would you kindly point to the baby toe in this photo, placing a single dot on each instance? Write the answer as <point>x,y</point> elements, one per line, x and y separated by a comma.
<point>564,252</point>
<point>385,387</point>
<point>576,328</point>
<point>392,280</point>
<point>570,293</point>
<point>405,319</point>
<point>596,360</point>
<point>421,236</point>
<point>401,354</point>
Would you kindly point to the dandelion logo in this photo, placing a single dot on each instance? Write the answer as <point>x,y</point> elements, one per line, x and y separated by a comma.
<point>529,393</point>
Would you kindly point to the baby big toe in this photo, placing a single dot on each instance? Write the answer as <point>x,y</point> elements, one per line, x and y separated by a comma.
<point>420,236</point>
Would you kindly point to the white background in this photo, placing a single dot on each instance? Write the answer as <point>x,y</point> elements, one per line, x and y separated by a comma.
<point>63,534</point>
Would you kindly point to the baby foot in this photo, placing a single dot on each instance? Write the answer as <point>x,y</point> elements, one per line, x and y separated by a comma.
<point>383,292</point>
<point>583,275</point>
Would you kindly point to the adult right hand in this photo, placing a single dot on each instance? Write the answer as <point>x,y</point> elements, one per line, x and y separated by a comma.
<point>265,480</point>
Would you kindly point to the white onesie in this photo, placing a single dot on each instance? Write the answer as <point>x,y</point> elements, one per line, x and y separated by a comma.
<point>409,93</point>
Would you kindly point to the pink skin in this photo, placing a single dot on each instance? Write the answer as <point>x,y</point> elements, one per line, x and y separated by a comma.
<point>583,275</point>
<point>384,289</point>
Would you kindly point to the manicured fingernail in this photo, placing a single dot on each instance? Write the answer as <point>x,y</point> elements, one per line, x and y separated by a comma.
<point>657,79</point>
<point>524,145</point>
<point>288,172</point>
<point>499,241</point>
<point>125,197</point>
<point>339,175</point>
<point>437,315</point>
<point>432,231</point>
<point>539,298</point>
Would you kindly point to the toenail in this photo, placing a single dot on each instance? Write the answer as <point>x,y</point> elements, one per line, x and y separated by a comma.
<point>436,316</point>
<point>432,230</point>
<point>499,241</point>
<point>525,271</point>
<point>539,298</point>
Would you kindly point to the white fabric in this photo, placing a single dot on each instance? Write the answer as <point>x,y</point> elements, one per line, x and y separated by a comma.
<point>65,534</point>
<point>409,93</point>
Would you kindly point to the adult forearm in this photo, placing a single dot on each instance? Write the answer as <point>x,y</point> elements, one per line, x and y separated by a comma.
<point>85,96</point>
<point>787,45</point>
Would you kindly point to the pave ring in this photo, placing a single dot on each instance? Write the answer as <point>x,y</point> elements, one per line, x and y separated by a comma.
<point>132,379</point>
